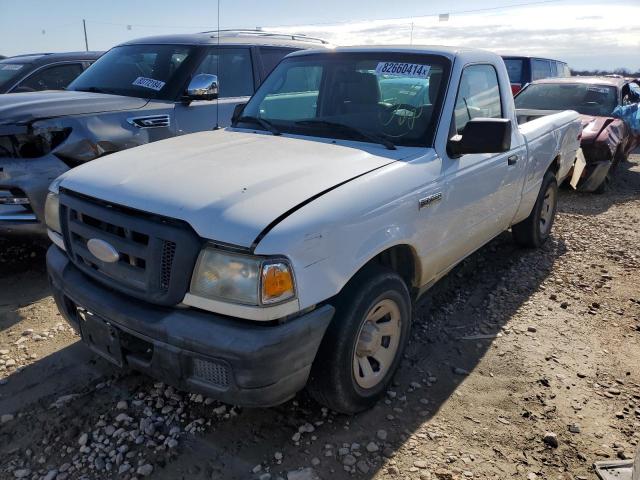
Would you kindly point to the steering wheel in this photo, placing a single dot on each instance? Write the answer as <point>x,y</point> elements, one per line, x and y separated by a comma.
<point>393,112</point>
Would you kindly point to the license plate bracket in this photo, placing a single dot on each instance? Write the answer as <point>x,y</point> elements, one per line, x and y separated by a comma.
<point>102,337</point>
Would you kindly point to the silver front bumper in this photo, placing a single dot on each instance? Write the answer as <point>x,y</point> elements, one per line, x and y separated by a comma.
<point>23,190</point>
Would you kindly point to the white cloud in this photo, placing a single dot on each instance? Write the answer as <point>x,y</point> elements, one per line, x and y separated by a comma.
<point>591,36</point>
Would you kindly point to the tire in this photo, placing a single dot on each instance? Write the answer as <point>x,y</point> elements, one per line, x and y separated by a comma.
<point>534,230</point>
<point>604,185</point>
<point>334,381</point>
<point>618,158</point>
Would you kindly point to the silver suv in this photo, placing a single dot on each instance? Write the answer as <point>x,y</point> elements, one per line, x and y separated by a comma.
<point>138,92</point>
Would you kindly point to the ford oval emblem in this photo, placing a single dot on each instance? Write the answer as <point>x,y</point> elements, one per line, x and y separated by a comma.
<point>103,251</point>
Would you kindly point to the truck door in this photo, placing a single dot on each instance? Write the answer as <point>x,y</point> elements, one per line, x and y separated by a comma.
<point>235,72</point>
<point>481,189</point>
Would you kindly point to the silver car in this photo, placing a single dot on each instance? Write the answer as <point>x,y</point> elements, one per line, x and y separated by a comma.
<point>138,92</point>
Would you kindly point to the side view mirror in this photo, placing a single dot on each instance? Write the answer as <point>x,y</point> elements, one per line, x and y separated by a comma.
<point>482,135</point>
<point>203,87</point>
<point>237,112</point>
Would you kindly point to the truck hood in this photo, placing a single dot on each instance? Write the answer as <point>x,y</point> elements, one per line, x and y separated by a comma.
<point>26,107</point>
<point>228,185</point>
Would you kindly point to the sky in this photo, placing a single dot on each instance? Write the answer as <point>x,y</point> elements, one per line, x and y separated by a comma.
<point>587,34</point>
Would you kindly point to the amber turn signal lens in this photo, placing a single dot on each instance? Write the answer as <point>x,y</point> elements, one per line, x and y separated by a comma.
<point>277,282</point>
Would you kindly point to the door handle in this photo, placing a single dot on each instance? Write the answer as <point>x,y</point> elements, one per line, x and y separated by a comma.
<point>512,160</point>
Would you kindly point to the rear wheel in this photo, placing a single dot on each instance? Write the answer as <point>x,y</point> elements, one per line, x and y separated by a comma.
<point>533,231</point>
<point>363,346</point>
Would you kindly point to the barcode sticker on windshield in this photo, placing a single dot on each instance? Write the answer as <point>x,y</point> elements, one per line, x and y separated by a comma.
<point>412,70</point>
<point>148,83</point>
<point>11,66</point>
<point>598,89</point>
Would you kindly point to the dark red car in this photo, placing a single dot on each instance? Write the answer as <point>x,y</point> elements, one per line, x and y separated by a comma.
<point>606,140</point>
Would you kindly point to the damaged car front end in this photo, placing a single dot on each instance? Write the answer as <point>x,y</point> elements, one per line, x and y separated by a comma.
<point>604,144</point>
<point>605,140</point>
<point>27,167</point>
<point>34,153</point>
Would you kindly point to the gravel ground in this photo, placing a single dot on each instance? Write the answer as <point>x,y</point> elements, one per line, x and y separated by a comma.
<point>522,364</point>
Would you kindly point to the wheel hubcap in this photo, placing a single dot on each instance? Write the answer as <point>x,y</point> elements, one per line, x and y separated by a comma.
<point>377,343</point>
<point>548,211</point>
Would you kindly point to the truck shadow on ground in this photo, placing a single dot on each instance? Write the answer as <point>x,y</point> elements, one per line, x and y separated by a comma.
<point>23,278</point>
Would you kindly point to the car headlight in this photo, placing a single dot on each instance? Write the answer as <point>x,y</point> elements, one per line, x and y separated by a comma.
<point>245,279</point>
<point>52,212</point>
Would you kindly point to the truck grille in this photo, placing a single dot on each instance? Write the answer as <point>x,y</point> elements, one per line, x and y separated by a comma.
<point>155,255</point>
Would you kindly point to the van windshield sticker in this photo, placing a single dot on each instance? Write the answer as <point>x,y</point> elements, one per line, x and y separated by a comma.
<point>11,66</point>
<point>148,83</point>
<point>411,70</point>
<point>599,89</point>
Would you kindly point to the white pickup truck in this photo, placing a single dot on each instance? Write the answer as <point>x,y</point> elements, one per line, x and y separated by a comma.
<point>287,250</point>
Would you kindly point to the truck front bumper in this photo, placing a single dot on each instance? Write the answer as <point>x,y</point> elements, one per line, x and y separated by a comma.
<point>28,179</point>
<point>232,360</point>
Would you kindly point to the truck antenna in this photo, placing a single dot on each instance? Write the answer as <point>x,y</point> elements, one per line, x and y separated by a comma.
<point>217,127</point>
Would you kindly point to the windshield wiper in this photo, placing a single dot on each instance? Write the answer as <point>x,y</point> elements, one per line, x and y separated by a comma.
<point>267,125</point>
<point>95,90</point>
<point>372,137</point>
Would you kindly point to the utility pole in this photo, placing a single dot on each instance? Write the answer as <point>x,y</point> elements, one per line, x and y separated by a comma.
<point>411,40</point>
<point>86,42</point>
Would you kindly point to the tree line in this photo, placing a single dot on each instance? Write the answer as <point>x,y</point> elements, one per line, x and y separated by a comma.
<point>625,72</point>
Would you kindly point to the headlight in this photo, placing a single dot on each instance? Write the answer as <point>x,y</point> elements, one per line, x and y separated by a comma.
<point>242,278</point>
<point>52,212</point>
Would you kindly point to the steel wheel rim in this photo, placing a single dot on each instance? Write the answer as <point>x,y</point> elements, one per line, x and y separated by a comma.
<point>547,211</point>
<point>377,343</point>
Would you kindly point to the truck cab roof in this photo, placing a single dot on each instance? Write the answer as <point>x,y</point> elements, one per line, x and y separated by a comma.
<point>443,50</point>
<point>233,37</point>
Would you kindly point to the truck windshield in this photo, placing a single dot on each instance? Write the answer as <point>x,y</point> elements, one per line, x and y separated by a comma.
<point>144,71</point>
<point>383,97</point>
<point>599,100</point>
<point>9,73</point>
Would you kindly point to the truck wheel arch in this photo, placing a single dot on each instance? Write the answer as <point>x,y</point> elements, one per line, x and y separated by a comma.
<point>555,166</point>
<point>402,259</point>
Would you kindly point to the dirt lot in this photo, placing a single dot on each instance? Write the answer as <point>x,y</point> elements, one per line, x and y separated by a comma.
<point>522,364</point>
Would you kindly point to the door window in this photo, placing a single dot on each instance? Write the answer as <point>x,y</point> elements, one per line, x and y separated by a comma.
<point>540,69</point>
<point>50,78</point>
<point>478,95</point>
<point>234,70</point>
<point>272,56</point>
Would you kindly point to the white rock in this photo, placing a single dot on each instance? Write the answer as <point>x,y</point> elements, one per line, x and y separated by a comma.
<point>122,405</point>
<point>145,470</point>
<point>123,417</point>
<point>304,474</point>
<point>7,417</point>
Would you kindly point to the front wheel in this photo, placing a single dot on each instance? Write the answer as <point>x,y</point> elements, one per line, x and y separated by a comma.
<point>534,230</point>
<point>364,343</point>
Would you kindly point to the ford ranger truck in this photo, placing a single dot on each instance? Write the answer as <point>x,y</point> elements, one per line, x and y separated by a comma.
<point>288,250</point>
<point>138,92</point>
